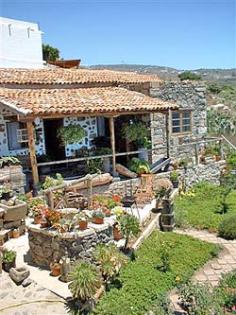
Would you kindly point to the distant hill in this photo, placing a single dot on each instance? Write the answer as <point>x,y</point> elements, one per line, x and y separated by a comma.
<point>224,76</point>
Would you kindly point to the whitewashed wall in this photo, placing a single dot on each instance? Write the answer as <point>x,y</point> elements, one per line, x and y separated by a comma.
<point>20,44</point>
<point>90,126</point>
<point>40,145</point>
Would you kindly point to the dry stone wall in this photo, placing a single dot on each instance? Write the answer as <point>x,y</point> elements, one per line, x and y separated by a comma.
<point>189,96</point>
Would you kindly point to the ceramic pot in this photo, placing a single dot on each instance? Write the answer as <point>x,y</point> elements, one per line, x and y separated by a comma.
<point>98,220</point>
<point>55,269</point>
<point>8,265</point>
<point>16,233</point>
<point>37,219</point>
<point>83,225</point>
<point>116,233</point>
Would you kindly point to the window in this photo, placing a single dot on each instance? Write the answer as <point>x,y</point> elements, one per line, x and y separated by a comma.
<point>17,135</point>
<point>181,122</point>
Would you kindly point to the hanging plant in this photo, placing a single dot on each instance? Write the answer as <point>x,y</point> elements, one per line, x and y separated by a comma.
<point>71,134</point>
<point>137,132</point>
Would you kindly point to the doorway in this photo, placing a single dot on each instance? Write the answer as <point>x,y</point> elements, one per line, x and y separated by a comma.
<point>55,149</point>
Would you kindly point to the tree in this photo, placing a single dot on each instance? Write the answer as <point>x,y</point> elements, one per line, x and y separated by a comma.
<point>188,75</point>
<point>50,53</point>
<point>129,225</point>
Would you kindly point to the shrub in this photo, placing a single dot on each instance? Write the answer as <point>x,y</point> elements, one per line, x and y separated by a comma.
<point>227,228</point>
<point>85,281</point>
<point>110,260</point>
<point>129,226</point>
<point>188,75</point>
<point>197,299</point>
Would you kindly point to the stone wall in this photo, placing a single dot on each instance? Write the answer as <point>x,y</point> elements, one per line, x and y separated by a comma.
<point>47,245</point>
<point>188,95</point>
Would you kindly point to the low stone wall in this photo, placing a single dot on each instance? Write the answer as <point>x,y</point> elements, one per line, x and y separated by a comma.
<point>202,172</point>
<point>48,245</point>
<point>14,176</point>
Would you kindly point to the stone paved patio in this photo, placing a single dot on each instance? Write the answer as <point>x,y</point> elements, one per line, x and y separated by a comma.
<point>212,272</point>
<point>34,299</point>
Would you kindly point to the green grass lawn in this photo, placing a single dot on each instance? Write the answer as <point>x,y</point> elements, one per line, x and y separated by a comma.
<point>203,210</point>
<point>143,282</point>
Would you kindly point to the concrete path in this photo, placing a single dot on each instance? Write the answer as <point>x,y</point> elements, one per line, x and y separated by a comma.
<point>212,271</point>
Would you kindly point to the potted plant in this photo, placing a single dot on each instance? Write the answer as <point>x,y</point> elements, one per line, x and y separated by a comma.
<point>55,268</point>
<point>8,259</point>
<point>174,177</point>
<point>71,134</point>
<point>129,226</point>
<point>6,193</point>
<point>98,217</point>
<point>16,233</point>
<point>116,231</point>
<point>138,133</point>
<point>106,161</point>
<point>159,195</point>
<point>82,220</point>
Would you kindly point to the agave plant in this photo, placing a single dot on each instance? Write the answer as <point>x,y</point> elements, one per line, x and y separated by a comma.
<point>85,281</point>
<point>110,260</point>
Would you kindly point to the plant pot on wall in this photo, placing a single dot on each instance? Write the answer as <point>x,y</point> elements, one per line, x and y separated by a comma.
<point>116,233</point>
<point>143,154</point>
<point>83,225</point>
<point>98,220</point>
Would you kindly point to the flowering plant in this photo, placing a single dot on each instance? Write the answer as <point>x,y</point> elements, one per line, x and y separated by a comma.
<point>118,211</point>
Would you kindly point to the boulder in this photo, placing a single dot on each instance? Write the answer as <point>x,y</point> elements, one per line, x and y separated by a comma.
<point>19,274</point>
<point>125,171</point>
<point>163,183</point>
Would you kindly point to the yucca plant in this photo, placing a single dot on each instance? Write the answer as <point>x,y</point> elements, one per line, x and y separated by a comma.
<point>85,281</point>
<point>110,260</point>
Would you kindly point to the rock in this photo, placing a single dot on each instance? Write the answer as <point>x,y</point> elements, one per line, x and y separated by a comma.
<point>18,275</point>
<point>27,282</point>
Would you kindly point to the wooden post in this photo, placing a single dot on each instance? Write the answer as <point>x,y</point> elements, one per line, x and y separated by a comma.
<point>168,134</point>
<point>113,144</point>
<point>33,160</point>
<point>221,150</point>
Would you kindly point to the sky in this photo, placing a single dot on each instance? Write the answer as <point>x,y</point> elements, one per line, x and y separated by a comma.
<point>184,34</point>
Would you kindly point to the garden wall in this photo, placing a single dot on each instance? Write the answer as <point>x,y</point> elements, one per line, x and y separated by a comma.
<point>47,245</point>
<point>189,96</point>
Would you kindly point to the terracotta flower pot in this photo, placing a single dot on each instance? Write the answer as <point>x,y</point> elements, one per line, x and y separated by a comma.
<point>16,233</point>
<point>37,219</point>
<point>83,225</point>
<point>117,233</point>
<point>98,220</point>
<point>55,269</point>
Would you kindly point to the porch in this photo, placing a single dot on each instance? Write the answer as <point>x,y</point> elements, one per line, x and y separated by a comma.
<point>115,106</point>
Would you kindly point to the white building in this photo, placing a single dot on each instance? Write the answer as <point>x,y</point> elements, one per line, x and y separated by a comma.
<point>20,44</point>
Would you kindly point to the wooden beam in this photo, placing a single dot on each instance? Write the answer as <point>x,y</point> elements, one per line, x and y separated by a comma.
<point>33,160</point>
<point>168,134</point>
<point>113,144</point>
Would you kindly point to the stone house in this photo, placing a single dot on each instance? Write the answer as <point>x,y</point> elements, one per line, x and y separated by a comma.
<point>35,103</point>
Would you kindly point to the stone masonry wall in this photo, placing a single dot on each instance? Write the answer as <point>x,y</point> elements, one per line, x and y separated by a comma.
<point>47,246</point>
<point>188,95</point>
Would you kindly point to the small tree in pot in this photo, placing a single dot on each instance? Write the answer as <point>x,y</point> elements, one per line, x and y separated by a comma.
<point>129,226</point>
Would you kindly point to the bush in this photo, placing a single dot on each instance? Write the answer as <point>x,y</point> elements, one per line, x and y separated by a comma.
<point>188,75</point>
<point>227,228</point>
<point>143,283</point>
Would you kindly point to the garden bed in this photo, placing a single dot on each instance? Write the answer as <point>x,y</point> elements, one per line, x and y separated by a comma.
<point>142,281</point>
<point>204,207</point>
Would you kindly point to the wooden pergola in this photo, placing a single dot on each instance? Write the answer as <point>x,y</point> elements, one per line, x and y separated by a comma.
<point>106,102</point>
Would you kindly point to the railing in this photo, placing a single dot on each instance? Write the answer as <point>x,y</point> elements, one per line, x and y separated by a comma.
<point>194,144</point>
<point>232,146</point>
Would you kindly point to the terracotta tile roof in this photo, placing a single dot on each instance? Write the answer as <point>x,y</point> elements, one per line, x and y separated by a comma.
<point>71,76</point>
<point>44,102</point>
